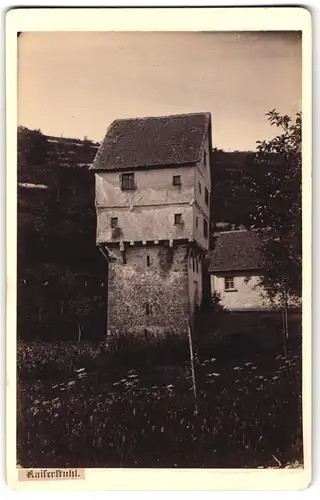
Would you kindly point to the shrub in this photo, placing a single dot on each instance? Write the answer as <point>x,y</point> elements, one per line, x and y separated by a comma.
<point>49,360</point>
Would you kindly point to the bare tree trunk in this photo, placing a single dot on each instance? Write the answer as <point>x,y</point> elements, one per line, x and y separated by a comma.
<point>79,332</point>
<point>40,314</point>
<point>284,332</point>
<point>286,315</point>
<point>194,386</point>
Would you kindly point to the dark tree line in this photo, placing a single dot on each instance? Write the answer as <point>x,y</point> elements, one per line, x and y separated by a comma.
<point>61,275</point>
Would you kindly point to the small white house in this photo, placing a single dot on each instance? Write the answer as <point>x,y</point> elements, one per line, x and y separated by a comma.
<point>235,269</point>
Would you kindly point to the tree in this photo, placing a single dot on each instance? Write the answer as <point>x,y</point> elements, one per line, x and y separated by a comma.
<point>277,213</point>
<point>81,306</point>
<point>32,149</point>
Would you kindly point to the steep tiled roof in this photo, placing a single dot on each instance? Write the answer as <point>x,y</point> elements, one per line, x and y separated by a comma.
<point>146,142</point>
<point>236,251</point>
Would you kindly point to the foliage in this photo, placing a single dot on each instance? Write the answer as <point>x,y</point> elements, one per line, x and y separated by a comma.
<point>32,146</point>
<point>212,304</point>
<point>114,353</point>
<point>276,189</point>
<point>56,239</point>
<point>248,412</point>
<point>231,201</point>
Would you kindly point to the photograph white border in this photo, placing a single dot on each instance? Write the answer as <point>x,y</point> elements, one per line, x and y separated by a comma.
<point>158,19</point>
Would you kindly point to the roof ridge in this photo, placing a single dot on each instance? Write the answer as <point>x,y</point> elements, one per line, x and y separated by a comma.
<point>159,117</point>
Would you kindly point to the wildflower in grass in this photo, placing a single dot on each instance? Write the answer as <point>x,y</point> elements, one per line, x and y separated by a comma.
<point>237,368</point>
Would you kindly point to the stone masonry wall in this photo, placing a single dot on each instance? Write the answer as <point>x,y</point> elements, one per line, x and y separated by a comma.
<point>150,291</point>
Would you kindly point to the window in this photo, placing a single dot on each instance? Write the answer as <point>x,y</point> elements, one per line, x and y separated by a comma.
<point>197,222</point>
<point>206,196</point>
<point>176,180</point>
<point>114,222</point>
<point>197,269</point>
<point>148,260</point>
<point>199,187</point>
<point>229,283</point>
<point>127,182</point>
<point>205,228</point>
<point>177,219</point>
<point>205,158</point>
<point>193,269</point>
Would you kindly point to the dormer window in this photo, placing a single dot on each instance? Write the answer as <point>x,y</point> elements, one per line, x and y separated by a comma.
<point>127,182</point>
<point>176,180</point>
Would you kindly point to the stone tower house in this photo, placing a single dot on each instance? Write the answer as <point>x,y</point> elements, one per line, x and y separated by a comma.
<point>153,186</point>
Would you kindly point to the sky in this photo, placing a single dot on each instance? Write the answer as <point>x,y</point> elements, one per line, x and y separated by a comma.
<point>75,84</point>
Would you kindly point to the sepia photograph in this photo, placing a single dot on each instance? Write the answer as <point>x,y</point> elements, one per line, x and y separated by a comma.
<point>159,250</point>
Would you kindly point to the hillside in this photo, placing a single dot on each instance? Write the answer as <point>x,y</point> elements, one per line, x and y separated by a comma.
<point>62,275</point>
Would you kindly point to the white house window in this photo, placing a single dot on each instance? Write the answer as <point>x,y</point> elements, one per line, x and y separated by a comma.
<point>127,182</point>
<point>176,180</point>
<point>229,283</point>
<point>205,158</point>
<point>197,222</point>
<point>114,222</point>
<point>148,260</point>
<point>177,219</point>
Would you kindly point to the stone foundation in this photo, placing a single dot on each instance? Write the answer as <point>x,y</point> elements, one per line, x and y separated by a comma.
<point>149,292</point>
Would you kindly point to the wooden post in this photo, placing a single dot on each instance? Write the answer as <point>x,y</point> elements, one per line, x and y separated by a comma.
<point>191,330</point>
<point>284,333</point>
<point>194,386</point>
<point>79,332</point>
<point>286,314</point>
